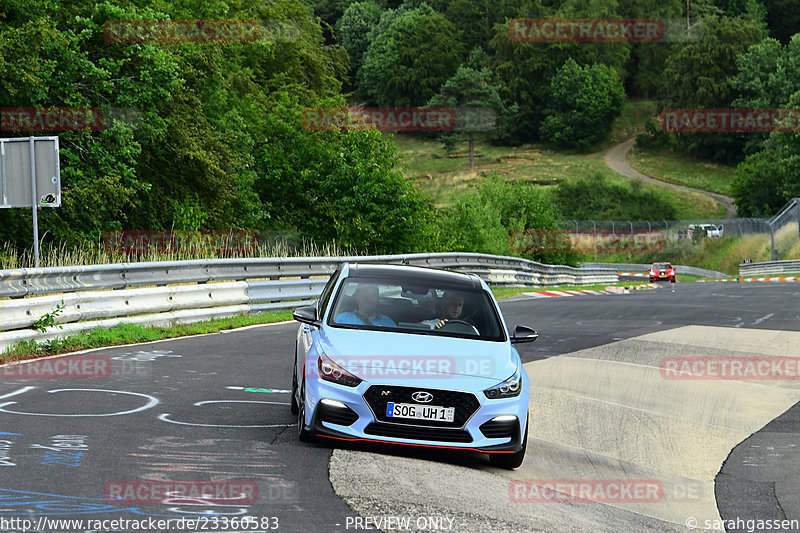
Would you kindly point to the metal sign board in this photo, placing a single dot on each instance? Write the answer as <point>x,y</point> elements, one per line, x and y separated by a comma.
<point>22,176</point>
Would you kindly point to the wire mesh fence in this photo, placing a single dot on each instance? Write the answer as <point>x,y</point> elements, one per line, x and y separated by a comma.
<point>781,232</point>
<point>670,229</point>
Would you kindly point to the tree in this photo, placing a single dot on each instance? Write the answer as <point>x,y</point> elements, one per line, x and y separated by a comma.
<point>647,58</point>
<point>525,68</point>
<point>765,79</point>
<point>477,103</point>
<point>757,186</point>
<point>411,54</point>
<point>353,29</point>
<point>193,157</point>
<point>482,219</point>
<point>474,20</point>
<point>783,19</point>
<point>769,77</point>
<point>582,105</point>
<point>697,75</point>
<point>339,185</point>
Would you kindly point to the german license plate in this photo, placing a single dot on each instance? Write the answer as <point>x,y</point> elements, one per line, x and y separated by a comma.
<point>420,412</point>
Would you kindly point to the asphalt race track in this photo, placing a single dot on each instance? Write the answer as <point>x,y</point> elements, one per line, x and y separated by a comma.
<point>215,407</point>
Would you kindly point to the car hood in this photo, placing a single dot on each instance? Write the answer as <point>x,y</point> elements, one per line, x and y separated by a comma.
<point>424,360</point>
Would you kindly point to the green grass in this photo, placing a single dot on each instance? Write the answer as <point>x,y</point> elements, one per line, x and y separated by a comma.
<point>444,177</point>
<point>688,278</point>
<point>132,334</point>
<point>680,169</point>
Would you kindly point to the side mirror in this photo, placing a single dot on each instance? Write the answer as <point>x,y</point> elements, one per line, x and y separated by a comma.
<point>307,315</point>
<point>523,334</point>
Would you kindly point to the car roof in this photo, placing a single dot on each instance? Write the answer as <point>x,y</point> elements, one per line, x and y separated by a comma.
<point>413,274</point>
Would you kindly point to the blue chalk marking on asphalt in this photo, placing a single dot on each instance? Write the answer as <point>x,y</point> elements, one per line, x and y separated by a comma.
<point>6,433</point>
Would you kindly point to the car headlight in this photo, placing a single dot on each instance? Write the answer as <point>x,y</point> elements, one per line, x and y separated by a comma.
<point>507,389</point>
<point>330,371</point>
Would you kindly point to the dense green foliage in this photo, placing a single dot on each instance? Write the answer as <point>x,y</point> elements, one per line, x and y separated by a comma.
<point>217,141</point>
<point>769,77</point>
<point>697,75</point>
<point>596,198</point>
<point>211,135</point>
<point>583,103</point>
<point>411,53</point>
<point>482,219</point>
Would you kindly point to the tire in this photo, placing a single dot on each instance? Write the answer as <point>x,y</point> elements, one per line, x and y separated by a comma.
<point>302,431</point>
<point>510,460</point>
<point>293,407</point>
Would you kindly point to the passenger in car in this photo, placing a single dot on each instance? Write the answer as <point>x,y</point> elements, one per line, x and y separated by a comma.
<point>366,312</point>
<point>451,306</point>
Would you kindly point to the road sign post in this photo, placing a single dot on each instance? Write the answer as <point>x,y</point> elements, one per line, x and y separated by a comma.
<point>31,177</point>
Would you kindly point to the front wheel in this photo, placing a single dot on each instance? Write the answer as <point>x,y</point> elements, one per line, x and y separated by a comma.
<point>302,431</point>
<point>293,406</point>
<point>510,460</point>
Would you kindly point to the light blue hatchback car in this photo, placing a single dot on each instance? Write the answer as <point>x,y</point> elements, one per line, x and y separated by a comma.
<point>413,356</point>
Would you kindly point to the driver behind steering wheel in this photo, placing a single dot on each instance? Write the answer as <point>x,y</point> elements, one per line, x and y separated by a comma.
<point>451,306</point>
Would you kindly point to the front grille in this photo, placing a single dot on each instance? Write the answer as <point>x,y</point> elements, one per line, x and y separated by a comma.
<point>417,433</point>
<point>344,416</point>
<point>377,396</point>
<point>494,429</point>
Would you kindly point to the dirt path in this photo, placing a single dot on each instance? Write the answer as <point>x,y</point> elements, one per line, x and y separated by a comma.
<point>616,159</point>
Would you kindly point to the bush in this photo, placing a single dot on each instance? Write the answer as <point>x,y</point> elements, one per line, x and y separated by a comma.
<point>482,219</point>
<point>655,137</point>
<point>595,198</point>
<point>583,103</point>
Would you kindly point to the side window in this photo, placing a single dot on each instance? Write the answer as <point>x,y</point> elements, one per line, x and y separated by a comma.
<point>325,297</point>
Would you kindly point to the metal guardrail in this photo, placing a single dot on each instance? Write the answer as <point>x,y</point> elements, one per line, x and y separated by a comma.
<point>680,269</point>
<point>769,268</point>
<point>167,293</point>
<point>29,281</point>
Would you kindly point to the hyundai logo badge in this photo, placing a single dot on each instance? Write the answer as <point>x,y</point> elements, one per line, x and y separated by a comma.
<point>422,397</point>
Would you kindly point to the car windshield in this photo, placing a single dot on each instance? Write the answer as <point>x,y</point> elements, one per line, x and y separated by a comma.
<point>661,266</point>
<point>420,308</point>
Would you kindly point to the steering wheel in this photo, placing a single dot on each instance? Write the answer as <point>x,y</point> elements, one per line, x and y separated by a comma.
<point>462,326</point>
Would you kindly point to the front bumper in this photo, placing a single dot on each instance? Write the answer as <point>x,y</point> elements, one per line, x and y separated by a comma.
<point>480,433</point>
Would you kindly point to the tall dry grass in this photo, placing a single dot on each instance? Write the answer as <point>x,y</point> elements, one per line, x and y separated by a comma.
<point>96,254</point>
